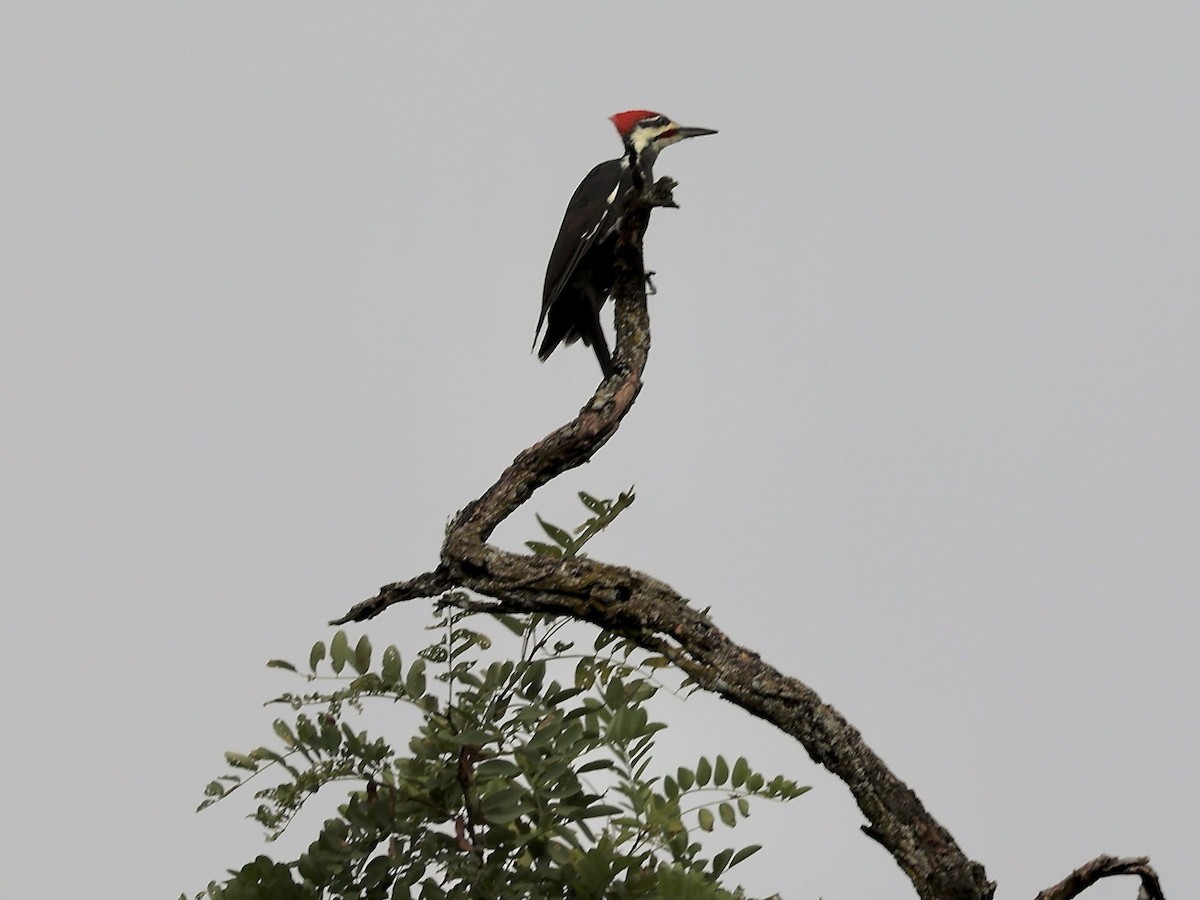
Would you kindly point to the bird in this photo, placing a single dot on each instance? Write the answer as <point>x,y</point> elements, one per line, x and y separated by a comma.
<point>582,268</point>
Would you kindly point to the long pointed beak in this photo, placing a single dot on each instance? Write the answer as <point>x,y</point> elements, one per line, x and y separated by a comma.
<point>685,132</point>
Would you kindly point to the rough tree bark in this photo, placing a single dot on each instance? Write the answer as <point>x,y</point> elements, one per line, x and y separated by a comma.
<point>655,616</point>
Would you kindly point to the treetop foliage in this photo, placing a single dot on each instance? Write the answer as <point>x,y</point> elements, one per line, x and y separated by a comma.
<point>530,776</point>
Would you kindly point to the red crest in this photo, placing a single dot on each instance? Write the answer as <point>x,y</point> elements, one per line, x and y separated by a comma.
<point>627,121</point>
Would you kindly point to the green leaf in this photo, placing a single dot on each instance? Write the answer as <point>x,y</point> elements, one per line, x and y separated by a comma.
<point>280,664</point>
<point>619,727</point>
<point>594,765</point>
<point>414,684</point>
<point>614,694</point>
<point>240,761</point>
<point>284,731</point>
<point>497,768</point>
<point>721,772</point>
<point>640,721</point>
<point>728,816</point>
<point>686,778</point>
<point>556,534</point>
<point>542,549</point>
<point>532,677</point>
<point>391,665</point>
<point>214,789</point>
<point>705,819</point>
<point>505,805</point>
<point>744,854</point>
<point>306,733</point>
<point>339,652</point>
<point>315,655</point>
<point>721,861</point>
<point>603,639</point>
<point>559,696</point>
<point>473,737</point>
<point>741,771</point>
<point>361,661</point>
<point>599,507</point>
<point>593,811</point>
<point>272,756</point>
<point>703,772</point>
<point>512,623</point>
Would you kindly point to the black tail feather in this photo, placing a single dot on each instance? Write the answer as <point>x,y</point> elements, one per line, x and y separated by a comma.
<point>575,318</point>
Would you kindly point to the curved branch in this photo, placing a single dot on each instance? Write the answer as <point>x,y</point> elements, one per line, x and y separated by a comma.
<point>1105,867</point>
<point>652,614</point>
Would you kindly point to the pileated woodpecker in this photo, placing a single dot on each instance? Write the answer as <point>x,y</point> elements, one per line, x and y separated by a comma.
<point>581,272</point>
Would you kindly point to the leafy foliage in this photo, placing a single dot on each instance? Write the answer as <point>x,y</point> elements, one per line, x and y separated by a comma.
<point>527,777</point>
<point>568,544</point>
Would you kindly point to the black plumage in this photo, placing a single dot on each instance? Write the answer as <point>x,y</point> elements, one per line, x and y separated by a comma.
<point>580,274</point>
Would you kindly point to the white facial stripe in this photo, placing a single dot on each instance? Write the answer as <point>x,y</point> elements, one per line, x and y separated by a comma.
<point>644,136</point>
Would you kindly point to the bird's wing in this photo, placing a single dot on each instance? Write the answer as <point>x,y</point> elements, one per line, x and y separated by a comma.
<point>582,227</point>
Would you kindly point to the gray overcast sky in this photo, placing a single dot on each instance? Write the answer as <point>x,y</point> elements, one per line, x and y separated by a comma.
<point>920,422</point>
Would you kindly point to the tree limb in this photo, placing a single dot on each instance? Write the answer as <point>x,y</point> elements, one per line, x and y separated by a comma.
<point>1104,867</point>
<point>652,614</point>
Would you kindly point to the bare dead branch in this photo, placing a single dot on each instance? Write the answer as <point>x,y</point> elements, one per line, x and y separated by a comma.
<point>652,614</point>
<point>428,585</point>
<point>1105,867</point>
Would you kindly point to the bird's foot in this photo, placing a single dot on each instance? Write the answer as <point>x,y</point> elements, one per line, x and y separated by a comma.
<point>661,193</point>
<point>651,290</point>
